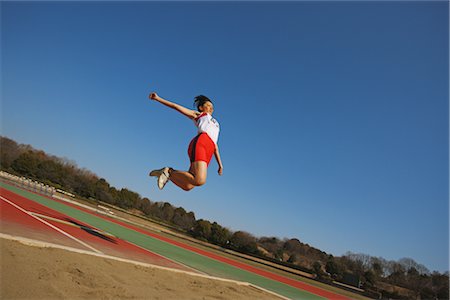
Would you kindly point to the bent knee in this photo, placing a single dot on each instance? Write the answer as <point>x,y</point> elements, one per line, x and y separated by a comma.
<point>199,181</point>
<point>188,187</point>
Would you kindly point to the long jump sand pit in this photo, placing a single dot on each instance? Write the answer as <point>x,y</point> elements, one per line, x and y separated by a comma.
<point>40,271</point>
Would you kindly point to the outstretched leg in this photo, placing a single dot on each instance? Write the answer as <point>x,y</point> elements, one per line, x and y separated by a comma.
<point>188,180</point>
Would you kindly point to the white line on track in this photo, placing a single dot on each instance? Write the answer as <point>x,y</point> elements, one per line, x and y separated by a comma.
<point>70,224</point>
<point>165,257</point>
<point>50,225</point>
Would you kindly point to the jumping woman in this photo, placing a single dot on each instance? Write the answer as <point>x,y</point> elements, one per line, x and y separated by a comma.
<point>201,148</point>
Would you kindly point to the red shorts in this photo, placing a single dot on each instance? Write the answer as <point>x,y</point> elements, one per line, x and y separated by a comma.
<point>201,148</point>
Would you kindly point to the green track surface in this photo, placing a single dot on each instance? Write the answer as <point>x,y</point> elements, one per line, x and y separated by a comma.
<point>183,256</point>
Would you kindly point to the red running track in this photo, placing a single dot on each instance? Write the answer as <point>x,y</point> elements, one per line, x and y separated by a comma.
<point>16,220</point>
<point>292,282</point>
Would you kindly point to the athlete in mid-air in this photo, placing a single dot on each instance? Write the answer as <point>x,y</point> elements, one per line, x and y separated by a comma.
<point>201,148</point>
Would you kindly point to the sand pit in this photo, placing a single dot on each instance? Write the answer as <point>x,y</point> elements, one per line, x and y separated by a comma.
<point>34,272</point>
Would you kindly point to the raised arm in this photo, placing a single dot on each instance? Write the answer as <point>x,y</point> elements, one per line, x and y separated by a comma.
<point>191,114</point>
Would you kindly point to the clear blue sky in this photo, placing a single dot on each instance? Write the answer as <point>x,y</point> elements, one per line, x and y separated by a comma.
<point>334,115</point>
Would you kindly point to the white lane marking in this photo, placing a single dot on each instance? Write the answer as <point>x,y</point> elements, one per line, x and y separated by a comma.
<point>125,241</point>
<point>70,224</point>
<point>50,225</point>
<point>165,257</point>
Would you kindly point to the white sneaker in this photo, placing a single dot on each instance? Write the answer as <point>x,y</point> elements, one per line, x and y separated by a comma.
<point>163,178</point>
<point>156,173</point>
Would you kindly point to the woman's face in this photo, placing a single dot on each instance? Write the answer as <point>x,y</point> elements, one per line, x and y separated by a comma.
<point>207,107</point>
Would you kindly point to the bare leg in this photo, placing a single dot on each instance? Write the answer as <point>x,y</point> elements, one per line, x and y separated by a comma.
<point>188,180</point>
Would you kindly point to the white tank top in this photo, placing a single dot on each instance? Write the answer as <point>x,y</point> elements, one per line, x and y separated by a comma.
<point>206,123</point>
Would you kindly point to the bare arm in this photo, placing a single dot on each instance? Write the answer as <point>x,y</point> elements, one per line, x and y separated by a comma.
<point>219,161</point>
<point>191,114</point>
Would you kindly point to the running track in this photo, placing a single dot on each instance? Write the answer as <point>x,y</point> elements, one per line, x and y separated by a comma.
<point>22,212</point>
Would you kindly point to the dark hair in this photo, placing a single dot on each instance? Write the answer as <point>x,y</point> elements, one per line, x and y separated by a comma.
<point>200,100</point>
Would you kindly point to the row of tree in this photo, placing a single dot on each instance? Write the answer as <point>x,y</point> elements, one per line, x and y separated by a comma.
<point>393,279</point>
<point>402,279</point>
